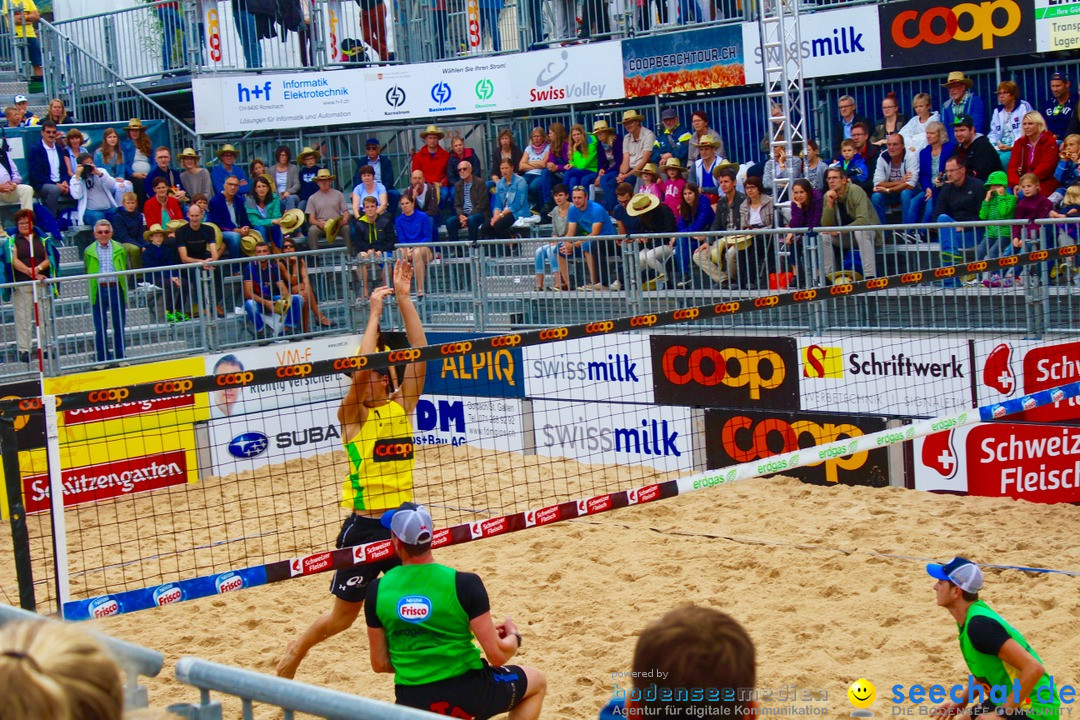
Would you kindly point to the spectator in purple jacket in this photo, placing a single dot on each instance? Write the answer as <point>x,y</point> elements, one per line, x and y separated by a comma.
<point>805,214</point>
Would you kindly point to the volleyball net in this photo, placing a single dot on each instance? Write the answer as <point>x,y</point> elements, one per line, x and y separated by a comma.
<point>225,472</point>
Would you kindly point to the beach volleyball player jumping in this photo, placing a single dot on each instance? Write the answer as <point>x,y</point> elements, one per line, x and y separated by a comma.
<point>378,437</point>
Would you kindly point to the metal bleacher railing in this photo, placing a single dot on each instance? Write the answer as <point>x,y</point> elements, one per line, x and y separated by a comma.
<point>491,286</point>
<point>168,36</point>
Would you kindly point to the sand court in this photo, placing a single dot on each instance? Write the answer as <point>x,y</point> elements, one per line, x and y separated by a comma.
<point>830,581</point>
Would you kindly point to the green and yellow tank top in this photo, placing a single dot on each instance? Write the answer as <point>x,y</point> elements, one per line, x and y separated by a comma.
<point>381,461</point>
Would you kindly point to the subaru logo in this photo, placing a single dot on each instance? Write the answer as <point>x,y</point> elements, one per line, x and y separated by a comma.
<point>440,93</point>
<point>248,445</point>
<point>485,89</point>
<point>395,96</point>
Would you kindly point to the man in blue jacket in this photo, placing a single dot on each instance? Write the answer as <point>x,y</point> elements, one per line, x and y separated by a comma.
<point>228,212</point>
<point>47,171</point>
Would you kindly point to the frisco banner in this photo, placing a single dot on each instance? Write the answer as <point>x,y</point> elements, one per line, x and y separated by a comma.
<point>683,62</point>
<point>660,437</point>
<point>881,375</point>
<point>1038,463</point>
<point>1021,367</point>
<point>847,37</point>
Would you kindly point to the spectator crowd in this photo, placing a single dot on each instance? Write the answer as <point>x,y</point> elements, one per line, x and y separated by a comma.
<point>601,190</point>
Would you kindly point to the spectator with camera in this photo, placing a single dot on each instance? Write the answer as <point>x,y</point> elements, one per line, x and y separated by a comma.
<point>95,191</point>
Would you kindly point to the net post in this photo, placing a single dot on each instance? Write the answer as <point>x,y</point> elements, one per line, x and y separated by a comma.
<point>56,504</point>
<point>20,537</point>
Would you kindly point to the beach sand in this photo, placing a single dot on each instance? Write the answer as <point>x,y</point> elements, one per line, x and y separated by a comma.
<point>829,581</point>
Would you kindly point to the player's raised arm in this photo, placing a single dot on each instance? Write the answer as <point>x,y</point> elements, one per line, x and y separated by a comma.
<point>353,410</point>
<point>412,384</point>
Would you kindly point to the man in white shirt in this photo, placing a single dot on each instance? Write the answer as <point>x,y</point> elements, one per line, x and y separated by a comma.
<point>12,189</point>
<point>896,176</point>
<point>47,170</point>
<point>637,147</point>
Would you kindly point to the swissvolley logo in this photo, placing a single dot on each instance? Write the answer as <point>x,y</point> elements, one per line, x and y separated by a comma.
<point>998,372</point>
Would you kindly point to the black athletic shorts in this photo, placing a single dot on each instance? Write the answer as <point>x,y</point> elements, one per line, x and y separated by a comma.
<point>478,694</point>
<point>350,584</point>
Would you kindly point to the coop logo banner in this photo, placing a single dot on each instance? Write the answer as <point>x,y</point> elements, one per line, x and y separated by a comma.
<point>616,368</point>
<point>1034,462</point>
<point>274,102</point>
<point>923,32</point>
<point>1057,24</point>
<point>885,375</point>
<point>683,62</point>
<point>548,77</point>
<point>608,433</point>
<point>725,371</point>
<point>733,437</point>
<point>490,373</point>
<point>1025,366</point>
<point>849,37</point>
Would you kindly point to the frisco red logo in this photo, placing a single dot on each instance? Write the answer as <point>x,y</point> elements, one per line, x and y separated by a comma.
<point>594,505</point>
<point>543,516</point>
<point>104,607</point>
<point>317,562</point>
<point>645,494</point>
<point>228,582</point>
<point>168,594</point>
<point>939,454</point>
<point>998,373</point>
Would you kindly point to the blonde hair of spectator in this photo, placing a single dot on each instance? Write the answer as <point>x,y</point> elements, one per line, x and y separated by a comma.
<point>1037,117</point>
<point>61,672</point>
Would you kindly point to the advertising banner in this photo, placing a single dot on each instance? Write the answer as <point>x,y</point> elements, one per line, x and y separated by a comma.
<point>461,87</point>
<point>575,74</point>
<point>277,101</point>
<point>734,372</point>
<point>1057,24</point>
<point>683,62</point>
<point>332,26</point>
<point>493,373</point>
<point>1038,463</point>
<point>733,437</point>
<point>660,437</point>
<point>850,38</point>
<point>605,369</point>
<point>29,428</point>
<point>295,388</point>
<point>923,32</point>
<point>1021,367</point>
<point>877,375</point>
<point>253,440</point>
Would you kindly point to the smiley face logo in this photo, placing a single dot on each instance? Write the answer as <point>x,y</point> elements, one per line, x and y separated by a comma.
<point>862,694</point>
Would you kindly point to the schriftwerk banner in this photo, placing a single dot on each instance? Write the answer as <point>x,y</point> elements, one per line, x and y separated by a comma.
<point>847,39</point>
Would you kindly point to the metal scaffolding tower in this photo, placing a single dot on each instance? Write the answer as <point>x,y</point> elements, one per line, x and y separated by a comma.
<point>782,69</point>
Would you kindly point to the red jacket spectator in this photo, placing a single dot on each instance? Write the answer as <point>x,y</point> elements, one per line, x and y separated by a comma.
<point>1040,159</point>
<point>152,210</point>
<point>433,165</point>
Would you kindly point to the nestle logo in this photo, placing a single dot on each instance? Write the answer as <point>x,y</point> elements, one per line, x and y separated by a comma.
<point>228,582</point>
<point>168,594</point>
<point>315,563</point>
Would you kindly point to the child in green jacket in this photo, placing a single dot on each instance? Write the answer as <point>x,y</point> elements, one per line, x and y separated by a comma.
<point>998,205</point>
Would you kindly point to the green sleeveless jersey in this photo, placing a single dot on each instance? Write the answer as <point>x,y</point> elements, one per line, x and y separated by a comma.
<point>427,629</point>
<point>995,671</point>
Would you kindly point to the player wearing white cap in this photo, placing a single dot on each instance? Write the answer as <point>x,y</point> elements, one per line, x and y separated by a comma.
<point>422,617</point>
<point>995,653</point>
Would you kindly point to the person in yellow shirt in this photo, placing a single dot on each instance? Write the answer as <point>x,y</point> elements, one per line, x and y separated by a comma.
<point>26,16</point>
<point>378,438</point>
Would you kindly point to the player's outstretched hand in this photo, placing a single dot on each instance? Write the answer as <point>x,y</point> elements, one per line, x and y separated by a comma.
<point>403,275</point>
<point>375,302</point>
